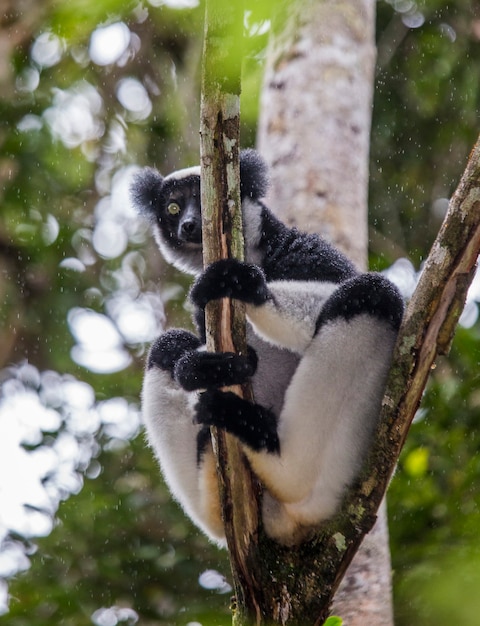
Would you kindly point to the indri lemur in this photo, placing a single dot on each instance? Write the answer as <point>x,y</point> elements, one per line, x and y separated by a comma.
<point>320,334</point>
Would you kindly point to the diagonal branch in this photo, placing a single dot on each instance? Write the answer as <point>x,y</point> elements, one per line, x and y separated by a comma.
<point>433,312</point>
<point>427,330</point>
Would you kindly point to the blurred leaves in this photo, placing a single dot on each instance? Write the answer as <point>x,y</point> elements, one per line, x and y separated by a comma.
<point>444,589</point>
<point>120,542</point>
<point>425,116</point>
<point>76,20</point>
<point>434,499</point>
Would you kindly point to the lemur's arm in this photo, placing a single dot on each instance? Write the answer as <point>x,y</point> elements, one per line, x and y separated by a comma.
<point>282,312</point>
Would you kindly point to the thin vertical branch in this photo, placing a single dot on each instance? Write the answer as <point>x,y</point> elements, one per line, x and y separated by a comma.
<point>223,238</point>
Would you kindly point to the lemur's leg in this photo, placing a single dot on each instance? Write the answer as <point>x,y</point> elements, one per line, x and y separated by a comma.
<point>183,448</point>
<point>331,407</point>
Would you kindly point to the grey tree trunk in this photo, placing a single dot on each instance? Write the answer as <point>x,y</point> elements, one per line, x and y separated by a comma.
<point>314,130</point>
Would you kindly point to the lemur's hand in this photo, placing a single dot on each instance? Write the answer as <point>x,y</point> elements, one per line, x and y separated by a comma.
<point>230,278</point>
<point>204,370</point>
<point>171,346</point>
<point>252,423</point>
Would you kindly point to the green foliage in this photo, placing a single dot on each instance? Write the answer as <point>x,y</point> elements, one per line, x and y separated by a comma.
<point>334,621</point>
<point>76,20</point>
<point>120,542</point>
<point>425,119</point>
<point>434,499</point>
<point>443,590</point>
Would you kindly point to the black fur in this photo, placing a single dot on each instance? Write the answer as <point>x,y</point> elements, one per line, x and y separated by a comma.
<point>253,424</point>
<point>230,278</point>
<point>253,175</point>
<point>146,190</point>
<point>169,347</point>
<point>292,255</point>
<point>204,442</point>
<point>199,370</point>
<point>368,293</point>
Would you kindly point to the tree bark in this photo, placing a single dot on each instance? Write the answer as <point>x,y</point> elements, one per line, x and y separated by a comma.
<point>223,238</point>
<point>275,584</point>
<point>315,115</point>
<point>315,132</point>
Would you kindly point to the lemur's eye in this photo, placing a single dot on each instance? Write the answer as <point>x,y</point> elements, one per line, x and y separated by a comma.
<point>173,208</point>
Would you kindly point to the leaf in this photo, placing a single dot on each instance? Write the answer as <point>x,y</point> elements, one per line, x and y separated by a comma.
<point>416,463</point>
<point>333,620</point>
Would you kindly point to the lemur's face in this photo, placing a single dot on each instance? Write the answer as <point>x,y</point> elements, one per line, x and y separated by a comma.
<point>178,213</point>
<point>172,204</point>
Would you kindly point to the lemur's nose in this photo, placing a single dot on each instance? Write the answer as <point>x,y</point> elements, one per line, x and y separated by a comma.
<point>188,227</point>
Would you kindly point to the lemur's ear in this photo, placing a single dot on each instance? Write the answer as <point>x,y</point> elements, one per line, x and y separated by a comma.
<point>145,191</point>
<point>253,175</point>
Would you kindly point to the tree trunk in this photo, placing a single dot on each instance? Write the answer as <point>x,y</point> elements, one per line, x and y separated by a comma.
<point>275,584</point>
<point>315,131</point>
<point>315,118</point>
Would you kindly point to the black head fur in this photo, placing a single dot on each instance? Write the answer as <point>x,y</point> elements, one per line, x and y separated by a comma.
<point>148,185</point>
<point>151,193</point>
<point>146,190</point>
<point>253,175</point>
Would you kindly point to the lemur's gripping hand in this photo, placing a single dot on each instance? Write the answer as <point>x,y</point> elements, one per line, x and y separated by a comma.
<point>177,352</point>
<point>230,278</point>
<point>253,424</point>
<point>171,346</point>
<point>202,370</point>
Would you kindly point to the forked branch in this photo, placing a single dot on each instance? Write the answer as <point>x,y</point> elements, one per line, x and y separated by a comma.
<point>275,584</point>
